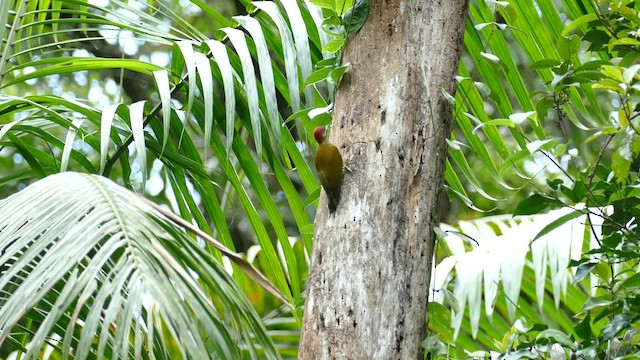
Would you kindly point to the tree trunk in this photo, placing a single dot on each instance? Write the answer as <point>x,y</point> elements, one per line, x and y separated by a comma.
<point>371,264</point>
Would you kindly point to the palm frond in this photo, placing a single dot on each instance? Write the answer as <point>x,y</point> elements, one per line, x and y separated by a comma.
<point>86,262</point>
<point>209,83</point>
<point>499,260</point>
<point>494,85</point>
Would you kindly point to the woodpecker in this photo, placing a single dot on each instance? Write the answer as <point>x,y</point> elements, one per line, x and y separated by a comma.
<point>329,165</point>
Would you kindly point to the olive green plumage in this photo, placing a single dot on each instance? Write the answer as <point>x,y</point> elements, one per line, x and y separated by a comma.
<point>329,166</point>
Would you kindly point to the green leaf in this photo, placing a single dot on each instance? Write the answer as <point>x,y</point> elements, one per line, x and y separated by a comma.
<point>629,59</point>
<point>585,19</point>
<point>534,204</point>
<point>583,270</point>
<point>440,320</point>
<point>595,302</point>
<point>556,336</point>
<point>68,143</point>
<point>619,323</point>
<point>554,183</point>
<point>613,72</point>
<point>326,4</point>
<point>609,84</point>
<point>596,39</point>
<point>318,75</point>
<point>623,115</point>
<point>621,161</point>
<point>222,20</point>
<point>612,241</point>
<point>337,73</point>
<point>603,271</point>
<point>630,73</point>
<point>343,5</point>
<point>568,48</point>
<point>69,65</point>
<point>571,115</point>
<point>583,328</point>
<point>99,255</point>
<point>544,64</point>
<point>29,155</point>
<point>543,105</point>
<point>557,223</point>
<point>592,65</point>
<point>307,230</point>
<point>356,16</point>
<point>332,26</point>
<point>333,45</point>
<point>495,122</point>
<point>630,191</point>
<point>623,42</point>
<point>328,62</point>
<point>631,283</point>
<point>298,114</point>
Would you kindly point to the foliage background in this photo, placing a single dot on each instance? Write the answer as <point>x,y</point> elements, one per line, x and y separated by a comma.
<point>207,107</point>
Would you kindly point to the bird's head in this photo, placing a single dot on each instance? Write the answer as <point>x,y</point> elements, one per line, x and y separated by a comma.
<point>319,133</point>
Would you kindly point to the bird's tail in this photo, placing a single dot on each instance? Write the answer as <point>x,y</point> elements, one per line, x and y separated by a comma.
<point>334,199</point>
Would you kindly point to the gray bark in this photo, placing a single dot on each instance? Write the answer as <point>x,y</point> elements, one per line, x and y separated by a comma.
<point>369,277</point>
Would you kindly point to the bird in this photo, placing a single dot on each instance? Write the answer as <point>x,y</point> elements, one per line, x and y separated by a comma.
<point>329,166</point>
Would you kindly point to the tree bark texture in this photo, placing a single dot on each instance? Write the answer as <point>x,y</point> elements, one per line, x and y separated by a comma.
<point>370,269</point>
